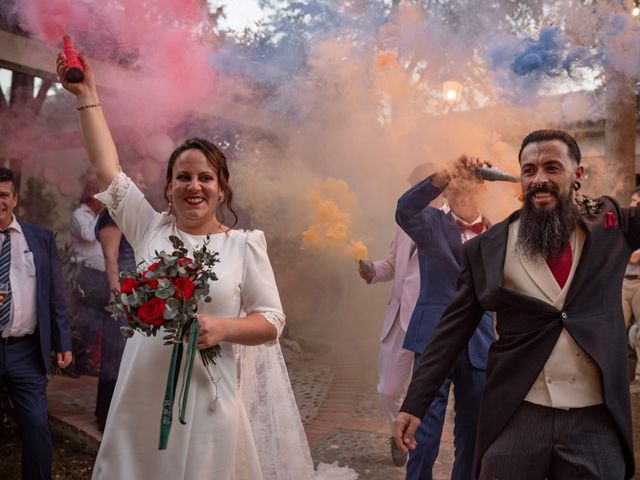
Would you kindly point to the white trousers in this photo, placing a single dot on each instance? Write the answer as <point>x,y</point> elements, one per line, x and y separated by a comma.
<point>394,370</point>
<point>631,311</point>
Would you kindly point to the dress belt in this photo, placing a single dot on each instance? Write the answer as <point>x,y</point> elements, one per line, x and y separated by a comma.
<point>632,277</point>
<point>12,340</point>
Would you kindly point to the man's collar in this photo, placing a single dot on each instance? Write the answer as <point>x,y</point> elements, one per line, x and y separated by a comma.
<point>14,225</point>
<point>477,220</point>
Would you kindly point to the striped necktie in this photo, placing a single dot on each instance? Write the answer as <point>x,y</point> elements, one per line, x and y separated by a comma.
<point>5,267</point>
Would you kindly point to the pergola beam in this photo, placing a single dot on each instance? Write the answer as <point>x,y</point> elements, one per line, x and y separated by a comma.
<point>26,55</point>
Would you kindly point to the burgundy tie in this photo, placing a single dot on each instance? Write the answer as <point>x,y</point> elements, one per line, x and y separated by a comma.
<point>561,266</point>
<point>476,228</point>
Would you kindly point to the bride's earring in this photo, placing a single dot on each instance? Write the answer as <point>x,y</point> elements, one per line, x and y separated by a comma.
<point>170,204</point>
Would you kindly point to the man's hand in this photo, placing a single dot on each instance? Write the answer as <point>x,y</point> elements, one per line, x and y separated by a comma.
<point>85,90</point>
<point>464,167</point>
<point>368,274</point>
<point>404,430</point>
<point>64,359</point>
<point>467,167</point>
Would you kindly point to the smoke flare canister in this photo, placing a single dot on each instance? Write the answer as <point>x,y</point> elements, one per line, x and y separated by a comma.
<point>74,71</point>
<point>366,267</point>
<point>494,174</point>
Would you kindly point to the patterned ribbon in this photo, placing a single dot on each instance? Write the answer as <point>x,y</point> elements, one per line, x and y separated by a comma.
<point>5,268</point>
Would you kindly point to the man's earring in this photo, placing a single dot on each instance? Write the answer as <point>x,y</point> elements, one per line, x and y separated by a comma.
<point>576,185</point>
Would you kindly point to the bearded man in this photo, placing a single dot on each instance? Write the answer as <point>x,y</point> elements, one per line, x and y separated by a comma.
<point>556,402</point>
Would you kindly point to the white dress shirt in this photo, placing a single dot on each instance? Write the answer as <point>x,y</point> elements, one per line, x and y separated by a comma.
<point>83,238</point>
<point>22,275</point>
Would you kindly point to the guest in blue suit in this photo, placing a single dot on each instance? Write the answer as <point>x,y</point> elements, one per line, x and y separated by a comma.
<point>33,322</point>
<point>439,234</point>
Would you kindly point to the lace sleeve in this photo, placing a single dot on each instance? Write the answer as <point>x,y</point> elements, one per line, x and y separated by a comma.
<point>277,319</point>
<point>131,211</point>
<point>113,195</point>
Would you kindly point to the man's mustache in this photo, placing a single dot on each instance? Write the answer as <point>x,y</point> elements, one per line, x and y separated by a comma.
<point>542,188</point>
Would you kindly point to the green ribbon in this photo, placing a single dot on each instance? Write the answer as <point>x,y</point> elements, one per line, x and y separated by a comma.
<point>194,331</point>
<point>169,395</point>
<point>172,383</point>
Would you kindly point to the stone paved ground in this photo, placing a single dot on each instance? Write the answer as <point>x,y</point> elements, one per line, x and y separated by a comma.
<point>349,427</point>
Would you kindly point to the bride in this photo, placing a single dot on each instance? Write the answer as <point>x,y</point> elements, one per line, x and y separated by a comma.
<point>243,423</point>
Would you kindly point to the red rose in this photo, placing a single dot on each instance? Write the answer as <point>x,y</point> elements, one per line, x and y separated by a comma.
<point>188,264</point>
<point>184,288</point>
<point>128,285</point>
<point>152,282</point>
<point>152,312</point>
<point>610,220</point>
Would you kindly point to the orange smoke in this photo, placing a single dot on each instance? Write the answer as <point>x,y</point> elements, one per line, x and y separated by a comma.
<point>386,58</point>
<point>331,202</point>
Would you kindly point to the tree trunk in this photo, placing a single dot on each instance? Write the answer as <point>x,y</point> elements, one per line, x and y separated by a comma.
<point>620,137</point>
<point>619,176</point>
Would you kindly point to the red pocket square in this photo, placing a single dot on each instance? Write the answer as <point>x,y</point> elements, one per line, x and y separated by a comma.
<point>610,220</point>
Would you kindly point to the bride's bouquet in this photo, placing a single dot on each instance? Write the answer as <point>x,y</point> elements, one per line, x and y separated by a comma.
<point>166,295</point>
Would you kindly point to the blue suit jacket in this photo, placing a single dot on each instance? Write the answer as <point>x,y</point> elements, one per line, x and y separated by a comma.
<point>51,309</point>
<point>439,247</point>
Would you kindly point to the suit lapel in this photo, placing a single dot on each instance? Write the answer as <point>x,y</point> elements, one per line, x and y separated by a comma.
<point>493,247</point>
<point>583,271</point>
<point>28,236</point>
<point>32,242</point>
<point>452,233</point>
<point>537,271</point>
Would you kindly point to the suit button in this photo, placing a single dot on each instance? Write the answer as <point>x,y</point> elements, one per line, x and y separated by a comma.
<point>564,315</point>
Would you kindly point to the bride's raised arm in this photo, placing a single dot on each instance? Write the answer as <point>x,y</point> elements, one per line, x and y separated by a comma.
<point>93,125</point>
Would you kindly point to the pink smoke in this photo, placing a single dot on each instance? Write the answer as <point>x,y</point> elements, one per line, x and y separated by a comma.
<point>168,43</point>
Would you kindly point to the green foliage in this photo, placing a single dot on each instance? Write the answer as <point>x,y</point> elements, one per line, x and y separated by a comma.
<point>70,271</point>
<point>37,204</point>
<point>166,294</point>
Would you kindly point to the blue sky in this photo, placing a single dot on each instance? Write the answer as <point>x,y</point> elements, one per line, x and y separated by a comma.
<point>240,14</point>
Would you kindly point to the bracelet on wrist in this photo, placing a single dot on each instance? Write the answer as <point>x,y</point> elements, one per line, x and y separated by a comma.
<point>88,105</point>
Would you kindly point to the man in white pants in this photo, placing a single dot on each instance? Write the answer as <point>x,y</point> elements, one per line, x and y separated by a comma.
<point>395,363</point>
<point>631,301</point>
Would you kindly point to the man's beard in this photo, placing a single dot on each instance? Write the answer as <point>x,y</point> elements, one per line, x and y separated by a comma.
<point>546,232</point>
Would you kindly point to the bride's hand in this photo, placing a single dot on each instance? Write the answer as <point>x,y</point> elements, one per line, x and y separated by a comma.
<point>86,90</point>
<point>212,331</point>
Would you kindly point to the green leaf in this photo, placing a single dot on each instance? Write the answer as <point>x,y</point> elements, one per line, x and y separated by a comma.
<point>165,289</point>
<point>174,304</point>
<point>127,331</point>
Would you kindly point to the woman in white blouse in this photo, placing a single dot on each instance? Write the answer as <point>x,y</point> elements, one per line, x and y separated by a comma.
<point>218,442</point>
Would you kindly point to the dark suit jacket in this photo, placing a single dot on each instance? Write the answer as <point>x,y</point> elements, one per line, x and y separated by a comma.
<point>439,245</point>
<point>53,317</point>
<point>528,328</point>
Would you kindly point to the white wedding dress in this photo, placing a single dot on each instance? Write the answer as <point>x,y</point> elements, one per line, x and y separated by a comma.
<point>246,425</point>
